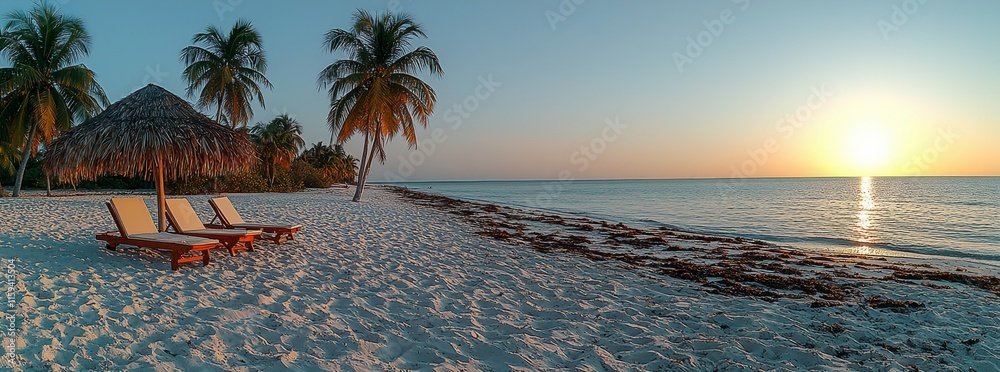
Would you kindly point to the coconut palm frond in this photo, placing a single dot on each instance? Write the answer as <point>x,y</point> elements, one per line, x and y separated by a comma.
<point>44,92</point>
<point>226,71</point>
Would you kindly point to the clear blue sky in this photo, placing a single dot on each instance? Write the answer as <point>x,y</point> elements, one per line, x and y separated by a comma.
<point>897,86</point>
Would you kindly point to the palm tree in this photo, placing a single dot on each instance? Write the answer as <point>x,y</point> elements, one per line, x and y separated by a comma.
<point>7,158</point>
<point>229,71</point>
<point>44,92</point>
<point>374,91</point>
<point>6,154</point>
<point>332,161</point>
<point>348,168</point>
<point>319,155</point>
<point>277,142</point>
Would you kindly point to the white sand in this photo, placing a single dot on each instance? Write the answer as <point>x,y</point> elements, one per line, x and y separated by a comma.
<point>385,285</point>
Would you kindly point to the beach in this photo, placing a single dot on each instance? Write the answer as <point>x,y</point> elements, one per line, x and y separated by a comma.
<point>408,280</point>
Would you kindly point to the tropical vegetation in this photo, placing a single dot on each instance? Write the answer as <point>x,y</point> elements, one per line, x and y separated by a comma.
<point>7,159</point>
<point>374,91</point>
<point>226,71</point>
<point>44,91</point>
<point>278,141</point>
<point>333,161</point>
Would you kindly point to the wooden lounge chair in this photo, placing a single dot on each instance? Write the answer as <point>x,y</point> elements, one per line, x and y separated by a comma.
<point>136,227</point>
<point>183,220</point>
<point>228,218</point>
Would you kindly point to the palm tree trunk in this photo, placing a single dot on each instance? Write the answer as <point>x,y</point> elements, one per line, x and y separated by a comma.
<point>48,185</point>
<point>160,196</point>
<point>218,120</point>
<point>24,160</point>
<point>375,142</point>
<point>368,168</point>
<point>218,113</point>
<point>361,180</point>
<point>2,194</point>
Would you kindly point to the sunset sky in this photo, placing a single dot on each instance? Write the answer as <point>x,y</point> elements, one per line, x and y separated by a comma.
<point>690,88</point>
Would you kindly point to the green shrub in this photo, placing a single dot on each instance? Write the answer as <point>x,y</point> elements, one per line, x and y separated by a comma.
<point>286,181</point>
<point>249,182</point>
<point>34,178</point>
<point>310,176</point>
<point>114,182</point>
<point>245,182</point>
<point>195,185</point>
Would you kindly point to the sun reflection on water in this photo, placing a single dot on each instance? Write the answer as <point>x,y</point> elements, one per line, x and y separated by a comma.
<point>866,213</point>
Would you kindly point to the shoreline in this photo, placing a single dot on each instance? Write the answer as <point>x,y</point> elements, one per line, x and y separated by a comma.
<point>760,270</point>
<point>819,245</point>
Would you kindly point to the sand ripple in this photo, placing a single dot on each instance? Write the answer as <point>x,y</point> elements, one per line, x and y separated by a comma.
<point>387,285</point>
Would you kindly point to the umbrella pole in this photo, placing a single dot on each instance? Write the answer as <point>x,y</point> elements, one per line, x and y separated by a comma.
<point>160,197</point>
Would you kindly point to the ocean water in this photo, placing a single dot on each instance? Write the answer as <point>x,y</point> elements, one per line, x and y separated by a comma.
<point>907,216</point>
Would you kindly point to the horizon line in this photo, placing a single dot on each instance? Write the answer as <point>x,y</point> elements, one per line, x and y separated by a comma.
<point>679,178</point>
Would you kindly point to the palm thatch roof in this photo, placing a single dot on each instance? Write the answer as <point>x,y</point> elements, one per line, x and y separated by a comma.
<point>133,134</point>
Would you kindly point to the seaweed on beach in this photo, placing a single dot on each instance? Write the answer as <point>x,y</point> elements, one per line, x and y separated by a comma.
<point>812,262</point>
<point>821,303</point>
<point>971,341</point>
<point>721,265</point>
<point>735,273</point>
<point>498,234</point>
<point>782,269</point>
<point>835,328</point>
<point>988,283</point>
<point>733,288</point>
<point>894,349</point>
<point>759,256</point>
<point>632,239</point>
<point>879,302</point>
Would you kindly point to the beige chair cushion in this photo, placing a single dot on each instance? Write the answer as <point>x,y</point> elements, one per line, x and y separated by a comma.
<point>173,238</point>
<point>133,217</point>
<point>225,232</point>
<point>225,207</point>
<point>264,226</point>
<point>183,216</point>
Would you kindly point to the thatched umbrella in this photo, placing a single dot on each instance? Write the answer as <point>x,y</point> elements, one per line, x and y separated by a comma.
<point>151,133</point>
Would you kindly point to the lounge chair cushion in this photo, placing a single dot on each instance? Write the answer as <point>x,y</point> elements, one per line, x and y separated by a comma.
<point>225,232</point>
<point>227,211</point>
<point>264,226</point>
<point>183,216</point>
<point>173,238</point>
<point>133,217</point>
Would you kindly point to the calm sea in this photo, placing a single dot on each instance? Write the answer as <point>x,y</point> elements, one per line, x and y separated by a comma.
<point>938,216</point>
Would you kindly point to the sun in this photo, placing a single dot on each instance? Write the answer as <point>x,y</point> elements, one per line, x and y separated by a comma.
<point>868,148</point>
